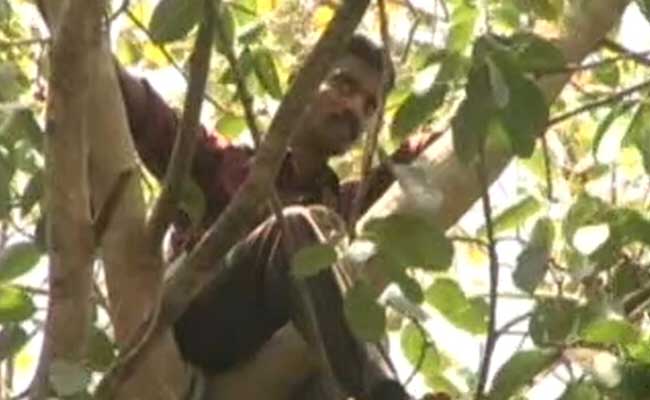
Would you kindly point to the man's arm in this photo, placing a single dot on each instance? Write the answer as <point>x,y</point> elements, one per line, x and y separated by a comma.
<point>381,177</point>
<point>218,167</point>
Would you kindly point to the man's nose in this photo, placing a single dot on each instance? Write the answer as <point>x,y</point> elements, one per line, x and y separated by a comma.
<point>354,103</point>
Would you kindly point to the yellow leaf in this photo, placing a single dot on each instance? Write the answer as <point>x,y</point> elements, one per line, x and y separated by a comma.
<point>322,16</point>
<point>265,6</point>
<point>153,56</point>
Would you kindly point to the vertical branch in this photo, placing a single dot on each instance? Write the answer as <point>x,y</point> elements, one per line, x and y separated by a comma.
<point>70,236</point>
<point>203,264</point>
<point>547,168</point>
<point>183,152</point>
<point>372,139</point>
<point>308,322</point>
<point>492,336</point>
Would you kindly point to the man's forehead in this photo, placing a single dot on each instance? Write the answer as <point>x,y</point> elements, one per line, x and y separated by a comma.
<point>368,77</point>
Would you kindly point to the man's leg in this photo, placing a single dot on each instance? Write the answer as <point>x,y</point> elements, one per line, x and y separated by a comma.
<point>231,320</point>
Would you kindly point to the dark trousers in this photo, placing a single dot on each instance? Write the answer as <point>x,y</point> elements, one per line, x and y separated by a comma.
<point>231,319</point>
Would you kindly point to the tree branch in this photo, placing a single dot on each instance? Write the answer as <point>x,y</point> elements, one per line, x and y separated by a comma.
<point>306,319</point>
<point>599,103</point>
<point>490,341</point>
<point>204,264</point>
<point>459,184</point>
<point>183,153</point>
<point>70,239</point>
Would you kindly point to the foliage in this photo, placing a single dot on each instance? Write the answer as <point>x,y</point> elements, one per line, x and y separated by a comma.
<point>573,224</point>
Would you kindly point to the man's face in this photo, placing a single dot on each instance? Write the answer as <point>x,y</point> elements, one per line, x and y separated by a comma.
<point>341,110</point>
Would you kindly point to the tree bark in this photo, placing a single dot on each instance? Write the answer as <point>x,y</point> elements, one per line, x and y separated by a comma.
<point>69,226</point>
<point>134,270</point>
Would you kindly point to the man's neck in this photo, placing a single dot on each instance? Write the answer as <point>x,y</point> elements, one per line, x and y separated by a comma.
<point>307,165</point>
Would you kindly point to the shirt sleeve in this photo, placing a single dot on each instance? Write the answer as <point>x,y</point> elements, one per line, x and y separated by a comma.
<point>218,166</point>
<point>380,177</point>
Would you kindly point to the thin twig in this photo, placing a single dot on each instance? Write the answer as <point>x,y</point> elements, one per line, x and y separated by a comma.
<point>547,168</point>
<point>423,352</point>
<point>639,57</point>
<point>121,9</point>
<point>490,341</point>
<point>409,40</point>
<point>24,42</point>
<point>370,145</point>
<point>506,327</point>
<point>599,103</point>
<point>186,138</point>
<point>593,65</point>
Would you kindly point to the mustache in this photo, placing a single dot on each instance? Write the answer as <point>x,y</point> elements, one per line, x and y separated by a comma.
<point>347,118</point>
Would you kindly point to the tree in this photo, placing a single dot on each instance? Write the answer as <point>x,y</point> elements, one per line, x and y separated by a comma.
<point>540,86</point>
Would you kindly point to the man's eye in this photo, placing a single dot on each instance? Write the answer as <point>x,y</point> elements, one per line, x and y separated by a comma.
<point>343,84</point>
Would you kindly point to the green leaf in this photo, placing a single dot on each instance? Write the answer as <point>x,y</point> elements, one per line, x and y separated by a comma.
<point>231,126</point>
<point>526,114</point>
<point>225,32</point>
<point>544,9</point>
<point>68,378</point>
<point>6,174</point>
<point>638,134</point>
<point>644,6</point>
<point>552,321</point>
<point>581,391</point>
<point>310,260</point>
<point>586,210</point>
<point>15,305</point>
<point>500,90</point>
<point>420,350</point>
<point>534,53</point>
<point>532,262</point>
<point>32,194</point>
<point>410,241</point>
<point>365,316</point>
<point>12,339</point>
<point>417,108</point>
<point>640,351</point>
<point>21,124</point>
<point>411,288</point>
<point>519,371</point>
<point>635,381</point>
<point>610,331</point>
<point>514,216</point>
<point>617,110</point>
<point>245,63</point>
<point>5,12</point>
<point>192,201</point>
<point>18,259</point>
<point>267,72</point>
<point>474,115</point>
<point>463,24</point>
<point>173,19</point>
<point>469,314</point>
<point>608,74</point>
<point>252,34</point>
<point>12,81</point>
<point>101,351</point>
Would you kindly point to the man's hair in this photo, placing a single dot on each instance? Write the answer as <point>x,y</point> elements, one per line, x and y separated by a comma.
<point>364,48</point>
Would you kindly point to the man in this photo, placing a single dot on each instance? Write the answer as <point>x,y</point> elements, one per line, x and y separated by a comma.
<point>229,322</point>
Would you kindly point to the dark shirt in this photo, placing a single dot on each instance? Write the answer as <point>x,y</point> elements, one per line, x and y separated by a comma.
<point>220,167</point>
